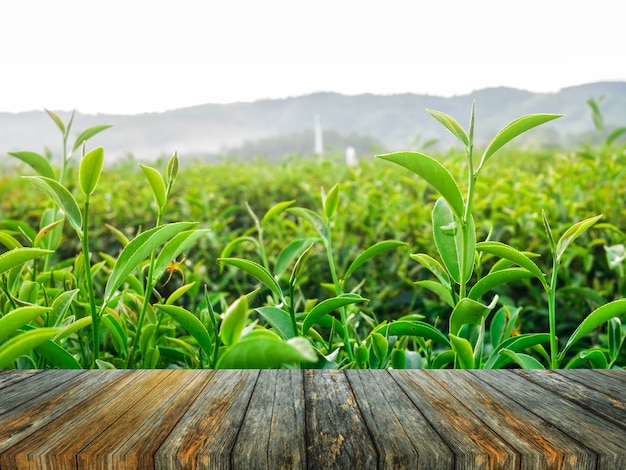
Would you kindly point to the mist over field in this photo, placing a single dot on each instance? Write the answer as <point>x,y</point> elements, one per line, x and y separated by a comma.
<point>275,128</point>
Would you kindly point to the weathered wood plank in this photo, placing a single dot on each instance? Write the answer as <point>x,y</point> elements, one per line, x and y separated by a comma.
<point>402,436</point>
<point>24,391</point>
<point>472,442</point>
<point>272,434</point>
<point>336,434</point>
<point>57,444</point>
<point>611,382</point>
<point>312,419</point>
<point>611,408</point>
<point>29,417</point>
<point>603,437</point>
<point>538,445</point>
<point>206,434</point>
<point>8,377</point>
<point>146,424</point>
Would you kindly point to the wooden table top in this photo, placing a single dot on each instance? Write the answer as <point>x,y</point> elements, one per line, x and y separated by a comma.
<point>312,419</point>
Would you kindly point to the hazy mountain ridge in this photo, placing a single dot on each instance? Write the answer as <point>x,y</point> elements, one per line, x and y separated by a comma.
<point>391,122</point>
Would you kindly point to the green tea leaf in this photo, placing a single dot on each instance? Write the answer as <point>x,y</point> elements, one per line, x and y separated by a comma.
<point>314,220</point>
<point>467,311</point>
<point>9,241</point>
<point>90,170</point>
<point>450,124</point>
<point>433,172</point>
<point>158,185</point>
<point>523,360</point>
<point>615,337</point>
<point>515,256</point>
<point>172,170</point>
<point>57,356</point>
<point>62,198</point>
<point>118,333</point>
<point>19,317</point>
<point>380,345</point>
<point>292,252</point>
<point>418,329</point>
<point>38,162</point>
<point>234,321</point>
<point>60,306</point>
<point>275,210</point>
<point>463,351</point>
<point>596,318</point>
<point>595,357</point>
<point>441,290</point>
<point>299,265</point>
<point>449,240</point>
<point>434,267</point>
<point>329,305</point>
<point>137,251</point>
<point>257,271</point>
<point>515,344</point>
<point>330,201</point>
<point>279,319</point>
<point>23,343</point>
<point>189,322</point>
<point>174,247</point>
<point>573,233</point>
<point>57,120</point>
<point>88,134</point>
<point>17,256</point>
<point>497,278</point>
<point>178,293</point>
<point>372,251</point>
<point>615,135</point>
<point>512,130</point>
<point>260,350</point>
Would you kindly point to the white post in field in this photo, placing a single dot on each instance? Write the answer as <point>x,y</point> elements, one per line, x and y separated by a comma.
<point>351,159</point>
<point>319,142</point>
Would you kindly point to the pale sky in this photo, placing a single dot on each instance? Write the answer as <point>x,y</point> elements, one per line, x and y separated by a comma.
<point>133,56</point>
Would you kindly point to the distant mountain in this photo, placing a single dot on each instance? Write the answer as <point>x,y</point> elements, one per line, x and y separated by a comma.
<point>370,123</point>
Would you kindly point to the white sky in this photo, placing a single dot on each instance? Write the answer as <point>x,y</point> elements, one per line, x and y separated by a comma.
<point>132,56</point>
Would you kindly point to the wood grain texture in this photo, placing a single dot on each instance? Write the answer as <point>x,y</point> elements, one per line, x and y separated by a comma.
<point>312,419</point>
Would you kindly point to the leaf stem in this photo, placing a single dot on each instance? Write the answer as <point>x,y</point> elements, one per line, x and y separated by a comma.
<point>95,317</point>
<point>554,345</point>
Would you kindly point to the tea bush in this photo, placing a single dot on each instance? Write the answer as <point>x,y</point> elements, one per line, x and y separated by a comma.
<point>271,272</point>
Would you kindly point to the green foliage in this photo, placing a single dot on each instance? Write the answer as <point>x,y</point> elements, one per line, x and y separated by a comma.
<point>317,282</point>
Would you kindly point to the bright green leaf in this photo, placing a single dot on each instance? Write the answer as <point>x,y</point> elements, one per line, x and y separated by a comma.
<point>450,124</point>
<point>497,278</point>
<point>158,185</point>
<point>137,251</point>
<point>90,170</point>
<point>38,162</point>
<point>525,361</point>
<point>19,317</point>
<point>12,258</point>
<point>513,255</point>
<point>596,318</point>
<point>512,130</point>
<point>467,312</point>
<point>330,201</point>
<point>372,251</point>
<point>234,321</point>
<point>189,322</point>
<point>464,354</point>
<point>279,319</point>
<point>329,305</point>
<point>62,198</point>
<point>433,172</point>
<point>262,351</point>
<point>573,233</point>
<point>23,343</point>
<point>257,271</point>
<point>275,210</point>
<point>88,134</point>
